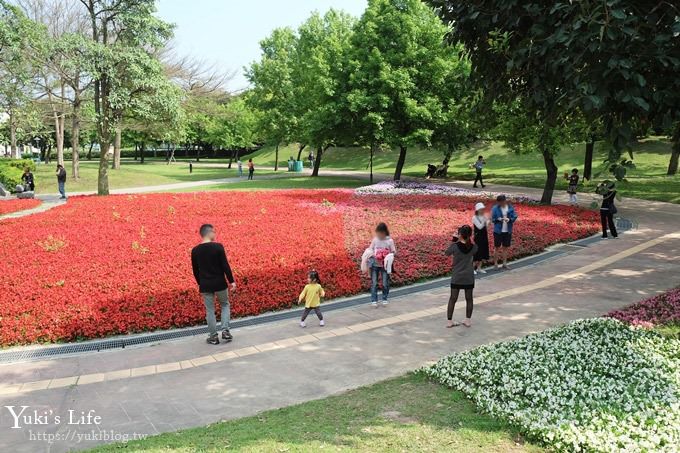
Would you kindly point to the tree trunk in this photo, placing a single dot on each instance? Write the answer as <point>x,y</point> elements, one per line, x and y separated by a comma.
<point>13,137</point>
<point>136,151</point>
<point>276,158</point>
<point>231,159</point>
<point>588,163</point>
<point>317,161</point>
<point>103,179</point>
<point>301,147</point>
<point>371,163</point>
<point>551,179</point>
<point>89,152</point>
<point>400,163</point>
<point>59,136</point>
<point>675,153</point>
<point>75,139</point>
<point>116,148</point>
<point>142,147</point>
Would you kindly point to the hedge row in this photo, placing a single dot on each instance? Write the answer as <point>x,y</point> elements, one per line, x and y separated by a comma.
<point>11,171</point>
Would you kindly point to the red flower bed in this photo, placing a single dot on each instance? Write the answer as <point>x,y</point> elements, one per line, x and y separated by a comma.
<point>660,310</point>
<point>9,206</point>
<point>100,266</point>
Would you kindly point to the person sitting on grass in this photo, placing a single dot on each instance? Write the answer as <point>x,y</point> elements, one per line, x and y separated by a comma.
<point>463,274</point>
<point>210,266</point>
<point>503,217</point>
<point>311,295</point>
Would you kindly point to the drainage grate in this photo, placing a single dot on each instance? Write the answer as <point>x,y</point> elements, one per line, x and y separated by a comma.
<point>52,352</point>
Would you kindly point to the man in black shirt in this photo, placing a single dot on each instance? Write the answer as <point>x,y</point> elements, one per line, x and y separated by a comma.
<point>61,181</point>
<point>210,266</point>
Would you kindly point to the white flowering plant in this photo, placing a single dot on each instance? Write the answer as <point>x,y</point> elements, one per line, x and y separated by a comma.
<point>591,385</point>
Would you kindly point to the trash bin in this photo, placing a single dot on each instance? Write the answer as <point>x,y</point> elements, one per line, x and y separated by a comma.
<point>298,166</point>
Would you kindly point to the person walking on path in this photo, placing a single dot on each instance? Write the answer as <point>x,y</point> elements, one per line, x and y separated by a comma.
<point>210,266</point>
<point>251,169</point>
<point>463,275</point>
<point>608,209</point>
<point>311,159</point>
<point>311,295</point>
<point>479,166</point>
<point>503,217</point>
<point>480,222</point>
<point>239,165</point>
<point>572,186</point>
<point>61,181</point>
<point>28,180</point>
<point>383,251</point>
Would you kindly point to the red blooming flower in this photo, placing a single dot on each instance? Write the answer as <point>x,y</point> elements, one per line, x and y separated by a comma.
<point>101,266</point>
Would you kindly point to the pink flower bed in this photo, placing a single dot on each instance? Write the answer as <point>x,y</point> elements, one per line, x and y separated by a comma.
<point>663,309</point>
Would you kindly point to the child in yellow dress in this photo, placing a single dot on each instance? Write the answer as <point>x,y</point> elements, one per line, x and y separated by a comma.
<point>312,295</point>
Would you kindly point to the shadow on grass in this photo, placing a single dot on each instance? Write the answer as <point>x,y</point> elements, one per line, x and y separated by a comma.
<point>408,413</point>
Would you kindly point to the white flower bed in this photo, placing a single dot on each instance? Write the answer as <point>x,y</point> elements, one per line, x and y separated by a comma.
<point>426,188</point>
<point>592,385</point>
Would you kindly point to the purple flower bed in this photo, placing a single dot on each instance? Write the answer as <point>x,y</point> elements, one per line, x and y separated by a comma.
<point>425,188</point>
<point>663,309</point>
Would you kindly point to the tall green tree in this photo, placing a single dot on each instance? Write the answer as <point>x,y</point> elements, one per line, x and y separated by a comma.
<point>616,60</point>
<point>17,72</point>
<point>274,91</point>
<point>320,77</point>
<point>126,36</point>
<point>397,64</point>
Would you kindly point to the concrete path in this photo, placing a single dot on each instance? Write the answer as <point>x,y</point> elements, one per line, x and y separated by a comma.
<point>188,383</point>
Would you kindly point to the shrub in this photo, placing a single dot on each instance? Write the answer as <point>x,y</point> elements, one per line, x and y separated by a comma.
<point>592,385</point>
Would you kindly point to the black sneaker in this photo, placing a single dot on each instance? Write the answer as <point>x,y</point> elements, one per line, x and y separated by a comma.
<point>227,336</point>
<point>213,339</point>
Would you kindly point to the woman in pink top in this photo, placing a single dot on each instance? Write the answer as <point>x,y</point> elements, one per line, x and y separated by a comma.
<point>382,245</point>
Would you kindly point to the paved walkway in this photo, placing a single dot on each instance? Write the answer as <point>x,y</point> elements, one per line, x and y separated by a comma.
<point>187,383</point>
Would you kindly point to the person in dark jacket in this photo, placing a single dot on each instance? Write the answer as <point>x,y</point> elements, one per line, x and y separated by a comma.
<point>608,209</point>
<point>210,266</point>
<point>463,275</point>
<point>28,180</point>
<point>61,181</point>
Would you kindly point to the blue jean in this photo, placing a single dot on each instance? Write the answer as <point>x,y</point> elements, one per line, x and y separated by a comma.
<point>62,188</point>
<point>376,272</point>
<point>209,301</point>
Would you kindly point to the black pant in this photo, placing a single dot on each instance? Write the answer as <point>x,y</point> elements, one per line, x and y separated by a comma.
<point>478,178</point>
<point>250,174</point>
<point>608,219</point>
<point>307,311</point>
<point>454,298</point>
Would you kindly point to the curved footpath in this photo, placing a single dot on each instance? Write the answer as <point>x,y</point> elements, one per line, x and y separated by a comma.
<point>188,383</point>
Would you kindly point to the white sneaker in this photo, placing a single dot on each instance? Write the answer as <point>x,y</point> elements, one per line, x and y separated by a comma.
<point>322,323</point>
<point>374,304</point>
<point>384,302</point>
<point>302,324</point>
<point>475,271</point>
<point>481,271</point>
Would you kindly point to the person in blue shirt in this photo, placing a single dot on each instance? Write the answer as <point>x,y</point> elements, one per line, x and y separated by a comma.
<point>479,166</point>
<point>503,216</point>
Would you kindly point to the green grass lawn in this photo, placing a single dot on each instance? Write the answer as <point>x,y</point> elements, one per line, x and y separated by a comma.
<point>408,413</point>
<point>293,182</point>
<point>648,181</point>
<point>131,174</point>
